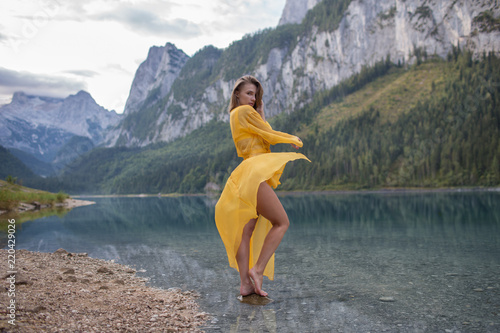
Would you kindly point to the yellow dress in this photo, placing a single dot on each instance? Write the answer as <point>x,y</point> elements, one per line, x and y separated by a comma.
<point>238,201</point>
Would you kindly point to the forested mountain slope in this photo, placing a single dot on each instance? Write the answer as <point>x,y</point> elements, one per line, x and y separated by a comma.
<point>432,124</point>
<point>12,166</point>
<point>437,124</point>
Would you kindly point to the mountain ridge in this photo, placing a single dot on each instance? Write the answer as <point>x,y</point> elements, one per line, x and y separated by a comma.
<point>334,41</point>
<point>438,139</point>
<point>40,126</point>
<point>303,67</point>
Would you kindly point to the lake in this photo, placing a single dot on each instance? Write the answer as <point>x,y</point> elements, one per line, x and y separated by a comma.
<point>352,262</point>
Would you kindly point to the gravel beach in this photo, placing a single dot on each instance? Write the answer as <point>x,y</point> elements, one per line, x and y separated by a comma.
<point>71,292</point>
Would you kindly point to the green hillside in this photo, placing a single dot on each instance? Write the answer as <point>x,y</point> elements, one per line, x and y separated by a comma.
<point>12,166</point>
<point>184,166</point>
<point>393,95</point>
<point>435,124</point>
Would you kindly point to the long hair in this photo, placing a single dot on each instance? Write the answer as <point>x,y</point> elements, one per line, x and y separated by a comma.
<point>234,102</point>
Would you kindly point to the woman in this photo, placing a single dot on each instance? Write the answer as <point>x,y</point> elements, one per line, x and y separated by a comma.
<point>249,215</point>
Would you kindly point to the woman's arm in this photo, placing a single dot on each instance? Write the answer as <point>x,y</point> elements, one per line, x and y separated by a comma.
<point>253,121</point>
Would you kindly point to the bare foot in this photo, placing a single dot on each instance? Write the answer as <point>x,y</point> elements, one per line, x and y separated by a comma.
<point>258,279</point>
<point>247,289</point>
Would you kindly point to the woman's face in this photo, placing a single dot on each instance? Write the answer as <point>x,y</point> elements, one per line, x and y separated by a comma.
<point>246,95</point>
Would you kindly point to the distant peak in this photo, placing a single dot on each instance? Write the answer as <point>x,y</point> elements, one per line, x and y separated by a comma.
<point>295,11</point>
<point>18,94</point>
<point>169,47</point>
<point>20,97</point>
<point>83,93</point>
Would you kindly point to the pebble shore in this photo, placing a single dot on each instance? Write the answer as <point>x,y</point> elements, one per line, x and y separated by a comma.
<point>71,292</point>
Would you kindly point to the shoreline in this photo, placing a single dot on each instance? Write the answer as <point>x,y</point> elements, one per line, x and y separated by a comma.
<point>32,206</point>
<point>302,192</point>
<point>397,190</point>
<point>23,208</point>
<point>64,291</point>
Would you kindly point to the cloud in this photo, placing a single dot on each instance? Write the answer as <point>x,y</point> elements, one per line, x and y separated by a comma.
<point>3,36</point>
<point>37,84</point>
<point>82,72</point>
<point>138,19</point>
<point>146,16</point>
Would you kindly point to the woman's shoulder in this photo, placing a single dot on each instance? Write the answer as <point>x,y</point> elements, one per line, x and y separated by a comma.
<point>243,113</point>
<point>243,109</point>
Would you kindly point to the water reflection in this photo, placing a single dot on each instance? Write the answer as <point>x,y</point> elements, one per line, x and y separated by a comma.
<point>257,316</point>
<point>430,252</point>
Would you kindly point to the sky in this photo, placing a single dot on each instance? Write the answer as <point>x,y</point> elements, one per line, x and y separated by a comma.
<point>58,47</point>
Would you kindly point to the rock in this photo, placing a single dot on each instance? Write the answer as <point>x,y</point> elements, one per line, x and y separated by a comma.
<point>24,207</point>
<point>69,271</point>
<point>201,314</point>
<point>61,252</point>
<point>386,299</point>
<point>39,308</point>
<point>71,278</point>
<point>104,270</point>
<point>22,279</point>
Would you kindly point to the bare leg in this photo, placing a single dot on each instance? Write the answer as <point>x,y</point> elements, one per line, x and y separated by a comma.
<point>269,206</point>
<point>242,257</point>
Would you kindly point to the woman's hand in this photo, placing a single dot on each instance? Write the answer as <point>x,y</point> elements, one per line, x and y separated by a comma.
<point>260,110</point>
<point>294,145</point>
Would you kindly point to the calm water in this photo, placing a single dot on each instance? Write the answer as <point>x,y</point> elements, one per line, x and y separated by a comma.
<point>437,255</point>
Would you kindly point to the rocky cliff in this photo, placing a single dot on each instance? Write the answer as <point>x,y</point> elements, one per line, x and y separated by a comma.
<point>155,76</point>
<point>152,82</point>
<point>294,61</point>
<point>296,10</point>
<point>40,126</point>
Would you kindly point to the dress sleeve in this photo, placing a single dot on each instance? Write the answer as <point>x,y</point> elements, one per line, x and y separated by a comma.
<point>255,124</point>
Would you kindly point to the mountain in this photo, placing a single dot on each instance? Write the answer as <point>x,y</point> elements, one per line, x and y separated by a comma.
<point>382,93</point>
<point>152,82</point>
<point>37,127</point>
<point>296,10</point>
<point>433,124</point>
<point>335,39</point>
<point>156,74</point>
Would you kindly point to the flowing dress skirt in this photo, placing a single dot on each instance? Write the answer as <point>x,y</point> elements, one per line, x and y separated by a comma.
<point>238,204</point>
